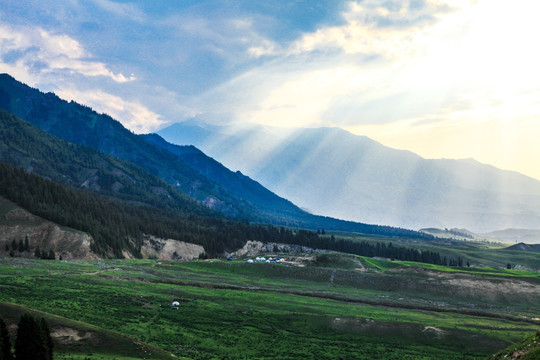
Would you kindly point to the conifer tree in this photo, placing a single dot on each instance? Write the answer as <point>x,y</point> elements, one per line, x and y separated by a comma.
<point>5,342</point>
<point>37,252</point>
<point>46,338</point>
<point>29,344</point>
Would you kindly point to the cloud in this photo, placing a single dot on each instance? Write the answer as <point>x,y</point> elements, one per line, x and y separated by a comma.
<point>132,114</point>
<point>30,52</point>
<point>129,11</point>
<point>387,62</point>
<point>230,38</point>
<point>371,27</point>
<point>336,74</point>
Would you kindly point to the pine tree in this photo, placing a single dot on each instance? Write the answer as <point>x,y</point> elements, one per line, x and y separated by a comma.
<point>37,252</point>
<point>26,244</point>
<point>5,342</point>
<point>46,338</point>
<point>29,344</point>
<point>21,246</point>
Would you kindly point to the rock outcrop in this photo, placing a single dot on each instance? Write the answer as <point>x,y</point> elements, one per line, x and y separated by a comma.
<point>18,224</point>
<point>169,249</point>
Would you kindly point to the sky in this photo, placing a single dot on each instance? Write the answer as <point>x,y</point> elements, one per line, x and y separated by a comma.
<point>442,78</point>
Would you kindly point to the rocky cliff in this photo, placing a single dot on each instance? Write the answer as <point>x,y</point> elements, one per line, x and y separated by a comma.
<point>20,225</point>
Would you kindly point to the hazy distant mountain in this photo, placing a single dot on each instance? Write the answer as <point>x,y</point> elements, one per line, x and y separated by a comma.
<point>528,236</point>
<point>525,247</point>
<point>333,172</point>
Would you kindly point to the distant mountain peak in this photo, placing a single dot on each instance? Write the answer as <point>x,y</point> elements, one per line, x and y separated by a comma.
<point>336,173</point>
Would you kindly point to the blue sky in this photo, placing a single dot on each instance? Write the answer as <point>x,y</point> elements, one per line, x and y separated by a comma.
<point>442,78</point>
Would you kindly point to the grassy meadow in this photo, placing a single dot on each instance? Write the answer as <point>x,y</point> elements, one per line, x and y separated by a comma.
<point>347,307</point>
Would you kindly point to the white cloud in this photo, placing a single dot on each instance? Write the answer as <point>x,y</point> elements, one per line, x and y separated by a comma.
<point>372,27</point>
<point>31,53</point>
<point>444,56</point>
<point>130,11</point>
<point>132,114</point>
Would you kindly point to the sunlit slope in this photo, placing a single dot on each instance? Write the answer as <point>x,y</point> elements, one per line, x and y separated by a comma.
<point>335,173</point>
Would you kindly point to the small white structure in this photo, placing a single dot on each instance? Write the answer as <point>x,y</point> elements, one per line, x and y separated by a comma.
<point>250,261</point>
<point>175,305</point>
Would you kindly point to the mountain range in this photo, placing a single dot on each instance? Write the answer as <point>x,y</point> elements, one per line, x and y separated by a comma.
<point>332,172</point>
<point>171,171</point>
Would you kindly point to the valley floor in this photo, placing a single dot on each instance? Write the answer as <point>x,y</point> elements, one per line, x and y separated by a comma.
<point>359,308</point>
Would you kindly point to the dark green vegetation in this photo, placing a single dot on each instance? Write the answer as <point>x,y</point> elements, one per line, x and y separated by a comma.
<point>33,341</point>
<point>117,226</point>
<point>235,310</point>
<point>25,146</point>
<point>84,341</point>
<point>194,173</point>
<point>525,247</point>
<point>527,349</point>
<point>5,342</point>
<point>114,225</point>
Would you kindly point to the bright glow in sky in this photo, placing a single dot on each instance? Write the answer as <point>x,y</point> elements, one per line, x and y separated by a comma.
<point>442,78</point>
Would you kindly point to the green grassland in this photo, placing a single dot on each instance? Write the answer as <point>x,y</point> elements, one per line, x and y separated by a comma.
<point>349,307</point>
<point>527,349</point>
<point>475,252</point>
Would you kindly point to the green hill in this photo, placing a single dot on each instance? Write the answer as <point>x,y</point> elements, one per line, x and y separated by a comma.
<point>527,349</point>
<point>77,339</point>
<point>525,247</point>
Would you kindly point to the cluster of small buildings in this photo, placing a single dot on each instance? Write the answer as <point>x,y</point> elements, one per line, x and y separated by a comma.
<point>265,260</point>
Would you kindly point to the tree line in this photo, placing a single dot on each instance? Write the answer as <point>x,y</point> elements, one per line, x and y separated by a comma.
<point>117,225</point>
<point>362,248</point>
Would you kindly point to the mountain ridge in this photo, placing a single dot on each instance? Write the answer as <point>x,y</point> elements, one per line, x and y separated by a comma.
<point>336,173</point>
